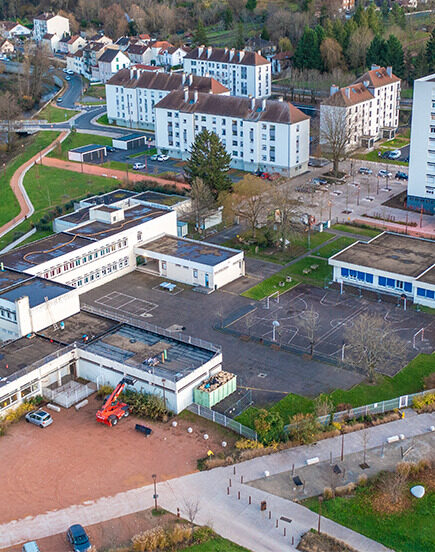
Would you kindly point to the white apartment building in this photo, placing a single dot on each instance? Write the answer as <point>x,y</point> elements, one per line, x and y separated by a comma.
<point>50,24</point>
<point>132,93</point>
<point>421,183</point>
<point>110,62</point>
<point>270,135</point>
<point>370,106</point>
<point>244,73</point>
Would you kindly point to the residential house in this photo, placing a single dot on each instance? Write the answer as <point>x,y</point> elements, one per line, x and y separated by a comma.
<point>50,41</point>
<point>12,29</point>
<point>280,61</point>
<point>75,43</point>
<point>6,47</point>
<point>50,24</point>
<point>132,93</point>
<point>270,135</point>
<point>244,73</point>
<point>110,62</point>
<point>156,47</point>
<point>172,56</point>
<point>139,53</point>
<point>100,39</point>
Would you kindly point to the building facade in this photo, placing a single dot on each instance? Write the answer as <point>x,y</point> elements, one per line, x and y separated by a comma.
<point>50,24</point>
<point>270,135</point>
<point>110,62</point>
<point>369,108</point>
<point>421,182</point>
<point>11,29</point>
<point>243,73</point>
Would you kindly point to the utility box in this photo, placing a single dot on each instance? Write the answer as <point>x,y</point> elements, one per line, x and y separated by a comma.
<point>215,389</point>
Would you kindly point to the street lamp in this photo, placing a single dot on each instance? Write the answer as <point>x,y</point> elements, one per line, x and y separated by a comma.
<point>155,495</point>
<point>275,324</point>
<point>320,513</point>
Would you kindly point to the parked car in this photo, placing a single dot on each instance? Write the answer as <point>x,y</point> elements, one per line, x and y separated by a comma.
<point>400,175</point>
<point>67,78</point>
<point>70,72</point>
<point>59,100</point>
<point>365,170</point>
<point>138,166</point>
<point>162,157</point>
<point>78,538</point>
<point>395,154</point>
<point>154,157</point>
<point>30,547</point>
<point>110,149</point>
<point>65,70</point>
<point>384,173</point>
<point>40,418</point>
<point>318,180</point>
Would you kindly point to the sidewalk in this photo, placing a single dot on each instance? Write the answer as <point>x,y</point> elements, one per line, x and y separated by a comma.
<point>229,516</point>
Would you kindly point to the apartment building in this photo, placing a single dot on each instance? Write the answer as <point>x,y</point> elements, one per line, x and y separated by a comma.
<point>132,93</point>
<point>110,62</point>
<point>421,183</point>
<point>244,73</point>
<point>270,135</point>
<point>50,24</point>
<point>370,107</point>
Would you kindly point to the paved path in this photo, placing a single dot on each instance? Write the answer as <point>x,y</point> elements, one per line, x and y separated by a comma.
<point>113,173</point>
<point>16,183</point>
<point>228,515</point>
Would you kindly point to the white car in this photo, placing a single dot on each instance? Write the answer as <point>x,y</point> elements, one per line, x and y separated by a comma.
<point>65,70</point>
<point>70,72</point>
<point>138,166</point>
<point>154,157</point>
<point>384,174</point>
<point>162,157</point>
<point>67,78</point>
<point>395,154</point>
<point>59,100</point>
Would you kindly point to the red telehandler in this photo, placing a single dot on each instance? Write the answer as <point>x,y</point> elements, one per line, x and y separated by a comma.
<point>113,410</point>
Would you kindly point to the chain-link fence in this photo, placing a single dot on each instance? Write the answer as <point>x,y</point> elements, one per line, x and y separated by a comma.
<point>71,393</point>
<point>240,405</point>
<point>222,420</point>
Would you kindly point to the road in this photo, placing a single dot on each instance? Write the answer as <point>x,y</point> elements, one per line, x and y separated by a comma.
<point>72,93</point>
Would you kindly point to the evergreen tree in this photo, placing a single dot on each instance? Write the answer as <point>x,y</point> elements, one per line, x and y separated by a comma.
<point>251,5</point>
<point>339,32</point>
<point>307,54</point>
<point>385,10</point>
<point>395,56</point>
<point>320,32</point>
<point>361,16</point>
<point>240,38</point>
<point>228,18</point>
<point>210,162</point>
<point>430,52</point>
<point>374,19</point>
<point>265,33</point>
<point>377,52</point>
<point>200,36</point>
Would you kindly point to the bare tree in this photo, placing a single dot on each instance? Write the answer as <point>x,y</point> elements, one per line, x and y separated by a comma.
<point>192,507</point>
<point>336,131</point>
<point>310,321</point>
<point>373,345</point>
<point>392,484</point>
<point>332,53</point>
<point>114,21</point>
<point>202,202</point>
<point>323,406</point>
<point>9,111</point>
<point>248,201</point>
<point>287,212</point>
<point>359,43</point>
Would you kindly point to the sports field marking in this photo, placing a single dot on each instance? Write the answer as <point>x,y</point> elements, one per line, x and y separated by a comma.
<point>119,301</point>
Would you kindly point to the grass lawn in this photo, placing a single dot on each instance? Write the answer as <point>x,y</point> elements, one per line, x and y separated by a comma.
<point>409,380</point>
<point>315,277</point>
<point>217,544</point>
<point>96,91</point>
<point>54,114</point>
<point>150,151</point>
<point>9,207</point>
<point>373,156</point>
<point>76,140</point>
<point>334,247</point>
<point>370,233</point>
<point>120,165</point>
<point>398,142</point>
<point>411,530</point>
<point>103,120</point>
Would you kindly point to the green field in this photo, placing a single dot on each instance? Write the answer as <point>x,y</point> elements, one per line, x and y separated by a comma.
<point>316,276</point>
<point>76,140</point>
<point>54,114</point>
<point>334,247</point>
<point>373,156</point>
<point>369,232</point>
<point>96,91</point>
<point>9,207</point>
<point>411,530</point>
<point>216,544</point>
<point>409,380</point>
<point>226,38</point>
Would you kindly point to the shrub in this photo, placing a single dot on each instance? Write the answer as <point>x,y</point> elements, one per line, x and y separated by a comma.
<point>178,534</point>
<point>424,402</point>
<point>341,407</point>
<point>243,444</point>
<point>362,480</point>
<point>269,426</point>
<point>14,416</point>
<point>328,493</point>
<point>145,405</point>
<point>150,541</point>
<point>345,489</point>
<point>202,534</point>
<point>429,381</point>
<point>305,428</point>
<point>104,390</point>
<point>336,425</point>
<point>37,400</point>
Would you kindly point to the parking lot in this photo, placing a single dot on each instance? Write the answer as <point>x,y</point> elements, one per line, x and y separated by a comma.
<point>77,459</point>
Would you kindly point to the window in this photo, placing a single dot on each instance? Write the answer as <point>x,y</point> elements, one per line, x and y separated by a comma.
<point>195,273</point>
<point>163,265</point>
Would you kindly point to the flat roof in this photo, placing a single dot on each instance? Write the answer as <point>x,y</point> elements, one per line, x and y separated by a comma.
<point>428,277</point>
<point>88,148</point>
<point>77,326</point>
<point>182,248</point>
<point>37,290</point>
<point>9,278</point>
<point>137,214</point>
<point>76,217</point>
<point>142,349</point>
<point>43,250</point>
<point>129,137</point>
<point>23,352</point>
<point>391,252</point>
<point>109,198</point>
<point>161,198</point>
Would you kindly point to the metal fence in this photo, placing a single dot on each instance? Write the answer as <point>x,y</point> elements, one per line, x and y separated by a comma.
<point>223,420</point>
<point>240,405</point>
<point>375,408</point>
<point>71,393</point>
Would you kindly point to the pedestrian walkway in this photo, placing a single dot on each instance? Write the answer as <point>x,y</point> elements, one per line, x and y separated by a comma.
<point>219,502</point>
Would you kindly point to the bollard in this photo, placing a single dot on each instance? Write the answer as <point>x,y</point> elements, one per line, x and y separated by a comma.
<point>285,532</point>
<point>228,490</point>
<point>178,512</point>
<point>270,514</point>
<point>234,470</point>
<point>241,479</point>
<point>293,540</point>
<point>276,524</point>
<point>238,495</point>
<point>230,482</point>
<point>330,458</point>
<point>249,502</point>
<point>293,469</point>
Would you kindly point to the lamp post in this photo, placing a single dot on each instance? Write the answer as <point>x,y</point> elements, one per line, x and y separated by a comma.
<point>275,324</point>
<point>320,513</point>
<point>330,209</point>
<point>155,495</point>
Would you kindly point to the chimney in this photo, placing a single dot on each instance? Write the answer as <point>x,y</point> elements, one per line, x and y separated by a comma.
<point>347,92</point>
<point>389,71</point>
<point>259,52</point>
<point>209,51</point>
<point>190,79</point>
<point>195,95</point>
<point>252,102</point>
<point>226,50</point>
<point>232,51</point>
<point>281,99</point>
<point>374,66</point>
<point>263,104</point>
<point>200,50</point>
<point>183,78</point>
<point>186,94</point>
<point>334,88</point>
<point>241,54</point>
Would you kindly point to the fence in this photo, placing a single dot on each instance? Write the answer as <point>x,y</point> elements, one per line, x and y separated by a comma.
<point>69,394</point>
<point>375,408</point>
<point>241,405</point>
<point>223,420</point>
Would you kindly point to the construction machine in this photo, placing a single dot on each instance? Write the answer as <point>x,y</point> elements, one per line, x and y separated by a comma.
<point>112,409</point>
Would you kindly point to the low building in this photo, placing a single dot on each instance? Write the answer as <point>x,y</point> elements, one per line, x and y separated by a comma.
<point>48,23</point>
<point>129,142</point>
<point>280,61</point>
<point>12,29</point>
<point>172,56</point>
<point>421,182</point>
<point>390,263</point>
<point>6,47</point>
<point>75,43</point>
<point>139,53</point>
<point>110,62</point>
<point>88,153</point>
<point>270,135</point>
<point>367,109</point>
<point>132,93</point>
<point>50,42</point>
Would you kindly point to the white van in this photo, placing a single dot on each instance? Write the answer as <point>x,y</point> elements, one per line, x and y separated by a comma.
<point>30,547</point>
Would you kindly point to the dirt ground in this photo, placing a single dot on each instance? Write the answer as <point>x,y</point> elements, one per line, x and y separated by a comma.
<point>116,532</point>
<point>77,459</point>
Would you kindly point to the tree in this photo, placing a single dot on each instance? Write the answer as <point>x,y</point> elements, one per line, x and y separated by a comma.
<point>114,21</point>
<point>228,18</point>
<point>287,212</point>
<point>210,162</point>
<point>192,508</point>
<point>9,111</point>
<point>284,44</point>
<point>359,42</point>
<point>393,484</point>
<point>248,201</point>
<point>307,54</point>
<point>200,36</point>
<point>269,426</point>
<point>395,56</point>
<point>332,53</point>
<point>372,345</point>
<point>251,5</point>
<point>430,52</point>
<point>377,52</point>
<point>335,134</point>
<point>303,428</point>
<point>202,202</point>
<point>240,37</point>
<point>265,33</point>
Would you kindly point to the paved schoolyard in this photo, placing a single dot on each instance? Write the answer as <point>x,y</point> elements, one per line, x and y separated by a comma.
<point>197,313</point>
<point>308,312</point>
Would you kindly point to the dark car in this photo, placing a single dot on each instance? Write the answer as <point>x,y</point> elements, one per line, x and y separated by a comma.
<point>78,538</point>
<point>110,149</point>
<point>400,175</point>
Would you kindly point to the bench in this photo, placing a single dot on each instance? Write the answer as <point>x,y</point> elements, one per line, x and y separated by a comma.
<point>143,429</point>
